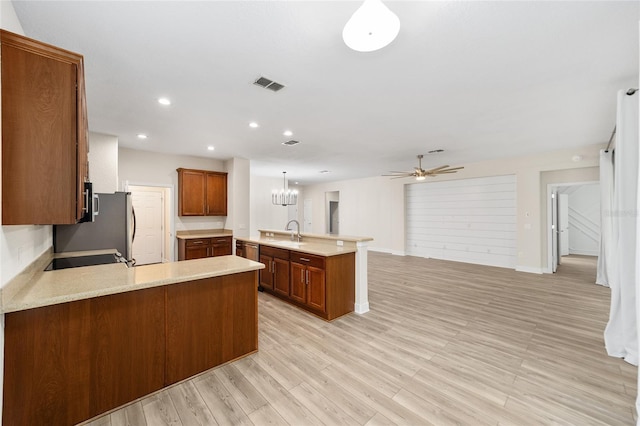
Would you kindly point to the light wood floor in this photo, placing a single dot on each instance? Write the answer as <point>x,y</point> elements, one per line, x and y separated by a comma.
<point>444,343</point>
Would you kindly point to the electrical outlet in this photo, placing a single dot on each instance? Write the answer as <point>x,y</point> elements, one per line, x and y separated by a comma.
<point>340,243</point>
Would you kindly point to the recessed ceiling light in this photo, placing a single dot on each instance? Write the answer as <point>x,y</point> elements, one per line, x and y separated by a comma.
<point>164,101</point>
<point>142,136</point>
<point>254,125</point>
<point>288,133</point>
<point>210,148</point>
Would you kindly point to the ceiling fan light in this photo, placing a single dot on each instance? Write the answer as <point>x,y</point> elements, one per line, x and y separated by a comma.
<point>371,27</point>
<point>421,177</point>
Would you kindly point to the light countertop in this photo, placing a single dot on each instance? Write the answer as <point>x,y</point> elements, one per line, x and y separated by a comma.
<point>203,233</point>
<point>310,247</point>
<point>35,287</point>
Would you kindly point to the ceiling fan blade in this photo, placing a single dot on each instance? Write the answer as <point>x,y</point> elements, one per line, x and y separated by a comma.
<point>437,168</point>
<point>400,175</point>
<point>453,168</point>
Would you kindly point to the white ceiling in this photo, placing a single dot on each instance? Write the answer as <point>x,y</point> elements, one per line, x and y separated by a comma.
<point>478,79</point>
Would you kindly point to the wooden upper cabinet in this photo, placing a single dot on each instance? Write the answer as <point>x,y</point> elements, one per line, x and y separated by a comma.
<point>191,192</point>
<point>44,133</point>
<point>202,193</point>
<point>216,194</point>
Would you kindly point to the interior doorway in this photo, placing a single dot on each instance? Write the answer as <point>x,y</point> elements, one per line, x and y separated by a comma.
<point>332,203</point>
<point>573,221</point>
<point>154,237</point>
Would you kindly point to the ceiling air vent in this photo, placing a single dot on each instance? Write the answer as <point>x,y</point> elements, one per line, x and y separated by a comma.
<point>268,84</point>
<point>291,143</point>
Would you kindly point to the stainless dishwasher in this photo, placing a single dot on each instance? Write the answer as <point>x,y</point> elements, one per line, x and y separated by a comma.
<point>249,251</point>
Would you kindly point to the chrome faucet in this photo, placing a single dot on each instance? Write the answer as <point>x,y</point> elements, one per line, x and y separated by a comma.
<point>286,228</point>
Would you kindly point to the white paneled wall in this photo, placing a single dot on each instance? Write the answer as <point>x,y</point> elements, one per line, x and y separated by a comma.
<point>466,220</point>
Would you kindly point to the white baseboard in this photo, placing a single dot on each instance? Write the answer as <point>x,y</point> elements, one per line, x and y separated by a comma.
<point>388,251</point>
<point>361,308</point>
<point>583,252</point>
<point>529,269</point>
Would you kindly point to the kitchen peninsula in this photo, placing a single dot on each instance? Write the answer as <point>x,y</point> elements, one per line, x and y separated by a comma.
<point>323,274</point>
<point>82,341</point>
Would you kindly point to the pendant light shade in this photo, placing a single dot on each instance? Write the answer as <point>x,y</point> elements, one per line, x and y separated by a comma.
<point>284,197</point>
<point>371,27</point>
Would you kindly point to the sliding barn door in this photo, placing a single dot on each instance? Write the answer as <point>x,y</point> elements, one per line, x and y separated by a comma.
<point>466,220</point>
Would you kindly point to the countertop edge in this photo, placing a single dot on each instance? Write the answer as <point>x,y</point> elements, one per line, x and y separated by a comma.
<point>331,251</point>
<point>321,236</point>
<point>203,233</point>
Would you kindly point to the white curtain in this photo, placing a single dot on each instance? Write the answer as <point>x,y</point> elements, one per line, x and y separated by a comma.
<point>607,242</point>
<point>621,333</point>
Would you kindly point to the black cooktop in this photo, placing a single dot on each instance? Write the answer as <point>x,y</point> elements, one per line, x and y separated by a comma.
<point>75,262</point>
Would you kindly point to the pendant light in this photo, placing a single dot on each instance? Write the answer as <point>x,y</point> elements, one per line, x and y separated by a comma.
<point>285,197</point>
<point>371,27</point>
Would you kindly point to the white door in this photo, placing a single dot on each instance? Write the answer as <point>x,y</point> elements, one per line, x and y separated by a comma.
<point>147,246</point>
<point>563,223</point>
<point>554,231</point>
<point>307,215</point>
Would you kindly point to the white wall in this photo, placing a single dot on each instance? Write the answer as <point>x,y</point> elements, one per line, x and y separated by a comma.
<point>584,220</point>
<point>375,207</point>
<point>149,168</point>
<point>265,215</point>
<point>239,204</point>
<point>103,162</point>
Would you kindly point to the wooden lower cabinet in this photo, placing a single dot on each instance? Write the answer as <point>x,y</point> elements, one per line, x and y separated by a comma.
<point>67,363</point>
<point>199,248</point>
<point>275,275</point>
<point>324,286</point>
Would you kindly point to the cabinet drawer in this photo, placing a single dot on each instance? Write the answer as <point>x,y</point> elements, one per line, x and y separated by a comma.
<point>221,241</point>
<point>308,259</point>
<point>195,242</point>
<point>274,252</point>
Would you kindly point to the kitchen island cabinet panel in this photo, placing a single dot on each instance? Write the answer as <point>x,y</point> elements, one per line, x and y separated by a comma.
<point>46,374</point>
<point>68,362</point>
<point>208,323</point>
<point>127,347</point>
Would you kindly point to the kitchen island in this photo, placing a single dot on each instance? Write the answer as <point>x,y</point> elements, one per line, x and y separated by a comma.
<point>323,274</point>
<point>80,342</point>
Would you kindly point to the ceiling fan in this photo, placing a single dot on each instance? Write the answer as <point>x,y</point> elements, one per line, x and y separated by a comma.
<point>420,174</point>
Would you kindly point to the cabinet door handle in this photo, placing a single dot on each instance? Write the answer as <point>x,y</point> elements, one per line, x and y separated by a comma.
<point>274,267</point>
<point>304,259</point>
<point>198,242</point>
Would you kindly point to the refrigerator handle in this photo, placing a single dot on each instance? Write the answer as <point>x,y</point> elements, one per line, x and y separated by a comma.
<point>96,205</point>
<point>133,213</point>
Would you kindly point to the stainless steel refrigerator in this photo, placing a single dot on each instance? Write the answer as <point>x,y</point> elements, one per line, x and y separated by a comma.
<point>114,227</point>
